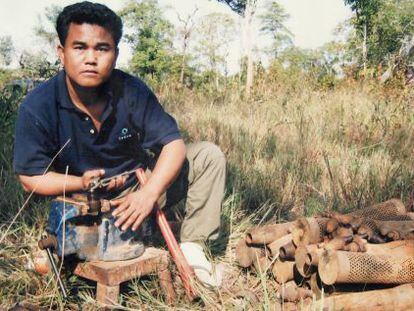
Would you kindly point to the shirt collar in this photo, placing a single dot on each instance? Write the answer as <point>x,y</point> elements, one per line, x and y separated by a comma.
<point>64,98</point>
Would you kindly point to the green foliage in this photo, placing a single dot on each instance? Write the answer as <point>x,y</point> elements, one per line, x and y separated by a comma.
<point>215,33</point>
<point>46,31</point>
<point>273,23</point>
<point>150,37</point>
<point>6,50</point>
<point>384,25</point>
<point>9,101</point>
<point>392,25</point>
<point>37,66</point>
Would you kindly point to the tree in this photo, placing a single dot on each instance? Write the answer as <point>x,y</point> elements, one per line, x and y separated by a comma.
<point>386,29</point>
<point>273,23</point>
<point>246,9</point>
<point>37,66</point>
<point>215,33</point>
<point>185,33</point>
<point>6,50</point>
<point>365,12</point>
<point>150,37</point>
<point>46,32</point>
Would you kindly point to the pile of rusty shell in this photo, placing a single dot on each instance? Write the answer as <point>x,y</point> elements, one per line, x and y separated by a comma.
<point>318,253</point>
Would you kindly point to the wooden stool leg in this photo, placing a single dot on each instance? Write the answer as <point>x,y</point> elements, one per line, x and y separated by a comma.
<point>166,284</point>
<point>107,295</point>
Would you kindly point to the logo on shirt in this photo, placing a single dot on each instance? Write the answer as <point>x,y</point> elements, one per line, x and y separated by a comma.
<point>125,134</point>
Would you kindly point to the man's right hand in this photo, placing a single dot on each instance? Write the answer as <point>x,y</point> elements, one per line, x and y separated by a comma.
<point>89,176</point>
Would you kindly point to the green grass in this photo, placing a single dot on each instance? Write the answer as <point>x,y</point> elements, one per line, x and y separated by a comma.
<point>291,149</point>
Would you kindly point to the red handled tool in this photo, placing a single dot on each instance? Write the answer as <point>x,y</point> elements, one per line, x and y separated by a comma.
<point>185,271</point>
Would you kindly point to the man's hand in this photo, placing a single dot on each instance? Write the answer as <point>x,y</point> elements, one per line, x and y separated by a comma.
<point>89,176</point>
<point>133,208</point>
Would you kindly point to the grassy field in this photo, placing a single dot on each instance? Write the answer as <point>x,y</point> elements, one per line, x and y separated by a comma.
<point>292,149</point>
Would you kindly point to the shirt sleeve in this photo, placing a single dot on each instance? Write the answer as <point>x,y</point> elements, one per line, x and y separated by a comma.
<point>33,147</point>
<point>159,127</point>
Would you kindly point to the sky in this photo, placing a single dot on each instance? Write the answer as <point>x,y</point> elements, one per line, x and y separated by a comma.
<point>311,21</point>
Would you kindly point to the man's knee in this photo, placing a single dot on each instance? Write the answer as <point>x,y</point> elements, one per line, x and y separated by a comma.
<point>213,153</point>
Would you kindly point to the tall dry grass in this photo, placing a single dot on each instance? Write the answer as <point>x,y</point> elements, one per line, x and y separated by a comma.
<point>292,148</point>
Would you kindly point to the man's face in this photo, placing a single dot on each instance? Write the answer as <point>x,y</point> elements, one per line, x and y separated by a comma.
<point>89,54</point>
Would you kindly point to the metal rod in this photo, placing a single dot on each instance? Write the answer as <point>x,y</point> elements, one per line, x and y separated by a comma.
<point>55,270</point>
<point>184,269</point>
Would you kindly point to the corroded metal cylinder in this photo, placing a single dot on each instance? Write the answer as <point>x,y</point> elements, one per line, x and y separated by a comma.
<point>287,251</point>
<point>307,258</point>
<point>347,267</point>
<point>247,254</point>
<point>397,298</point>
<point>275,246</point>
<point>283,271</point>
<point>389,210</point>
<point>309,231</point>
<point>268,233</point>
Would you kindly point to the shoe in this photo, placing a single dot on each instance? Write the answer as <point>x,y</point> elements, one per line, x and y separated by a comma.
<point>209,275</point>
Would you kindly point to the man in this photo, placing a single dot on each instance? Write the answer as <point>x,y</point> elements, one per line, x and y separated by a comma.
<point>92,120</point>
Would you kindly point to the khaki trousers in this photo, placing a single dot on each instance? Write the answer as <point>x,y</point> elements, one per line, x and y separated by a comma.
<point>201,184</point>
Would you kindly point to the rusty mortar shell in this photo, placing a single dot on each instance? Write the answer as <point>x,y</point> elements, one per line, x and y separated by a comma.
<point>347,267</point>
<point>395,248</point>
<point>369,230</point>
<point>344,233</point>
<point>275,246</point>
<point>335,244</point>
<point>411,215</point>
<point>283,271</point>
<point>331,225</point>
<point>243,254</point>
<point>268,233</point>
<point>395,229</point>
<point>396,298</point>
<point>246,254</point>
<point>343,219</point>
<point>388,210</point>
<point>394,235</point>
<point>360,242</point>
<point>290,292</point>
<point>352,247</point>
<point>355,223</point>
<point>317,287</point>
<point>287,251</point>
<point>309,231</point>
<point>262,264</point>
<point>301,255</point>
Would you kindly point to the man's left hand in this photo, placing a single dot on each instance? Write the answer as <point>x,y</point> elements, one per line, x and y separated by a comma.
<point>133,209</point>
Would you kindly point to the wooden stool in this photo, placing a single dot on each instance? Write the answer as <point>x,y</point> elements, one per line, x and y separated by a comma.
<point>110,274</point>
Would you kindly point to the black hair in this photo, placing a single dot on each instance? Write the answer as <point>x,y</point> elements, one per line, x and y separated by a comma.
<point>90,13</point>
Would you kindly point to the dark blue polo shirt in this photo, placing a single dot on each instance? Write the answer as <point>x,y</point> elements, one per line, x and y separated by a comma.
<point>133,120</point>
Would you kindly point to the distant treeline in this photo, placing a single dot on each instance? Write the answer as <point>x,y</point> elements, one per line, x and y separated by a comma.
<point>376,42</point>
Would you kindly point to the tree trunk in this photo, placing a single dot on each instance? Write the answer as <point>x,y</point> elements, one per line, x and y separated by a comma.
<point>248,16</point>
<point>365,49</point>
<point>182,67</point>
